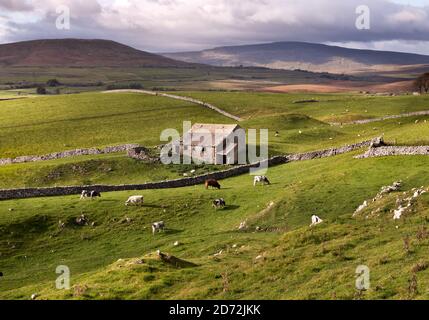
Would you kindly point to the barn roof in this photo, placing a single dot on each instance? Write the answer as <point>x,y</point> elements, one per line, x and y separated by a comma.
<point>219,132</point>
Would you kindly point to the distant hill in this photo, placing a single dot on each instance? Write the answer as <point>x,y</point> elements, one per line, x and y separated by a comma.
<point>80,53</point>
<point>304,56</point>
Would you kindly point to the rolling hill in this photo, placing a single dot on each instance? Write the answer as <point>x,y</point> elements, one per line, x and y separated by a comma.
<point>278,257</point>
<point>306,56</point>
<point>79,53</point>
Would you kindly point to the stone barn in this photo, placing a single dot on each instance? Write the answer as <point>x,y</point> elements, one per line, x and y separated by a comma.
<point>215,143</point>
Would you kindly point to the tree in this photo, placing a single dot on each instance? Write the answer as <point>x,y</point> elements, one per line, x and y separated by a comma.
<point>41,90</point>
<point>53,83</point>
<point>422,83</point>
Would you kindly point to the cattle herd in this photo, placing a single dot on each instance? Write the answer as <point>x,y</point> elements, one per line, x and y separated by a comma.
<point>220,203</point>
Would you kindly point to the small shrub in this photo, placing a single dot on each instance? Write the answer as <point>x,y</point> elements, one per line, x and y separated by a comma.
<point>53,83</point>
<point>41,90</point>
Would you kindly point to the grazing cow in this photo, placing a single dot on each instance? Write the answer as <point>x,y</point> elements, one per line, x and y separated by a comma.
<point>84,194</point>
<point>219,203</point>
<point>315,220</point>
<point>261,179</point>
<point>212,183</point>
<point>134,200</point>
<point>90,194</point>
<point>82,220</point>
<point>158,226</point>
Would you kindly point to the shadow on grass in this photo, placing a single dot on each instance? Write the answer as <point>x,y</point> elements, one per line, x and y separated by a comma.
<point>154,206</point>
<point>266,185</point>
<point>221,189</point>
<point>170,232</point>
<point>229,208</point>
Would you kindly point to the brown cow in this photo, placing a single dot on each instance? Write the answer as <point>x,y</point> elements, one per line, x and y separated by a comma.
<point>212,183</point>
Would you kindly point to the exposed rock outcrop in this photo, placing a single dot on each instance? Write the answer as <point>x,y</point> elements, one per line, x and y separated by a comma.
<point>394,151</point>
<point>68,154</point>
<point>143,154</point>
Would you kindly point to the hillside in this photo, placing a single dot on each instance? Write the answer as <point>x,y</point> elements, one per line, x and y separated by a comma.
<point>114,255</point>
<point>79,53</point>
<point>306,56</point>
<point>104,119</point>
<point>285,260</point>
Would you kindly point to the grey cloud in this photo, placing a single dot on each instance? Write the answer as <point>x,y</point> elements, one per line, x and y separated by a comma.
<point>169,25</point>
<point>16,5</point>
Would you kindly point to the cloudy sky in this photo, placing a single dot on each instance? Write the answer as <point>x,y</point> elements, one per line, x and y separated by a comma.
<point>182,25</point>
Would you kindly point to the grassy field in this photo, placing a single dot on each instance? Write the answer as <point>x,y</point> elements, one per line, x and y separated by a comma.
<point>298,260</point>
<point>88,170</point>
<point>305,126</point>
<point>49,124</point>
<point>95,119</point>
<point>329,108</point>
<point>294,261</point>
<point>198,78</point>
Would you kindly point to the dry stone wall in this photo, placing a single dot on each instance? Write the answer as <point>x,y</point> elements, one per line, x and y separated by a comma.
<point>397,116</point>
<point>394,151</point>
<point>187,99</point>
<point>329,152</point>
<point>238,170</point>
<point>68,154</point>
<point>204,104</point>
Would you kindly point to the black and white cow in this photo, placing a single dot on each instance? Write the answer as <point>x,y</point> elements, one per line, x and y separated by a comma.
<point>158,226</point>
<point>261,179</point>
<point>219,203</point>
<point>90,194</point>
